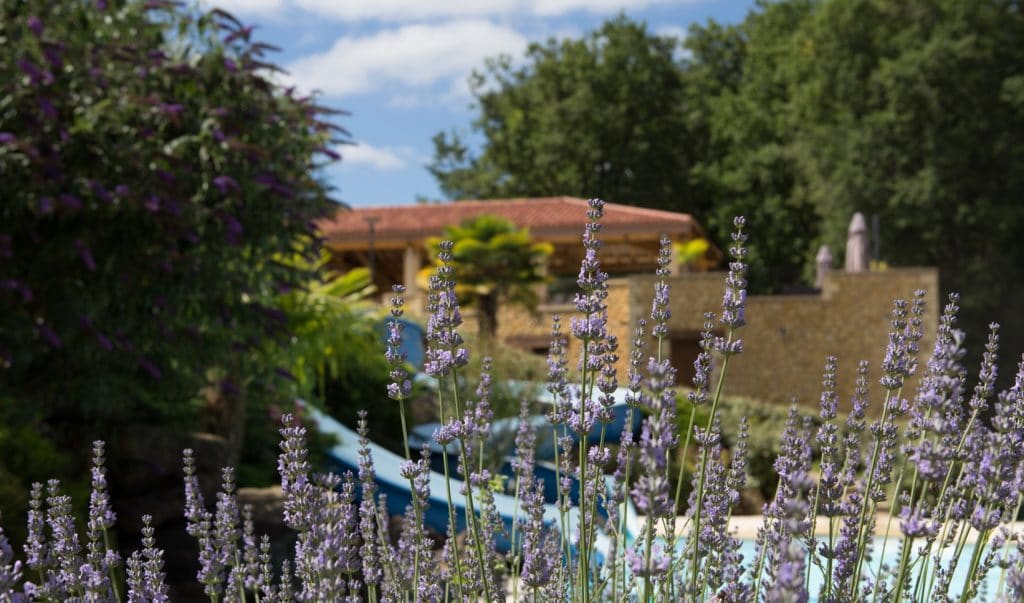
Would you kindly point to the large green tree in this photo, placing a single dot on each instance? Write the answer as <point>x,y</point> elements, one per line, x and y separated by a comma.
<point>914,111</point>
<point>800,115</point>
<point>150,173</point>
<point>602,116</point>
<point>632,117</point>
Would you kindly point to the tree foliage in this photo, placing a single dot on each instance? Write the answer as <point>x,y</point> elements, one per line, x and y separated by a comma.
<point>494,261</point>
<point>800,115</point>
<point>151,172</point>
<point>599,116</point>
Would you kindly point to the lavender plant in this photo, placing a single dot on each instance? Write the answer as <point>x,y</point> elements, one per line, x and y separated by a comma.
<point>949,459</point>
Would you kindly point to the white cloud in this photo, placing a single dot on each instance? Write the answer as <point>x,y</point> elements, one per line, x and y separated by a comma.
<point>248,7</point>
<point>672,31</point>
<point>405,101</point>
<point>415,10</point>
<point>407,10</point>
<point>410,56</point>
<point>552,8</point>
<point>378,158</point>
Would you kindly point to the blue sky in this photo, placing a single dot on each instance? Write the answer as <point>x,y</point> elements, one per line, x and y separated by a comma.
<point>400,67</point>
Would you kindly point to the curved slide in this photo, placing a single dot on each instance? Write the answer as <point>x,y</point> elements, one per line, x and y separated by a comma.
<point>344,457</point>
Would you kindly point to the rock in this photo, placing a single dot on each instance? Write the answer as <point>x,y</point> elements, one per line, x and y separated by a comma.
<point>166,505</point>
<point>267,509</point>
<point>149,456</point>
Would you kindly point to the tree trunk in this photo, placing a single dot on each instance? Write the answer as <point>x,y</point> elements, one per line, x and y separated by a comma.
<point>488,310</point>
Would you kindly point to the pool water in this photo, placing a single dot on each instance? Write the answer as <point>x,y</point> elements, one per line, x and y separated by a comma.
<point>986,591</point>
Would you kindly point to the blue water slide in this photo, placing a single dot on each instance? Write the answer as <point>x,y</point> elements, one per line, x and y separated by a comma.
<point>344,456</point>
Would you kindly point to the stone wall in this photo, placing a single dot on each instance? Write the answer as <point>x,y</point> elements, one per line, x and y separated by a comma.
<point>786,339</point>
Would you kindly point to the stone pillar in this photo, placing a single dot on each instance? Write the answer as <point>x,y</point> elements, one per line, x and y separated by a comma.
<point>412,260</point>
<point>676,268</point>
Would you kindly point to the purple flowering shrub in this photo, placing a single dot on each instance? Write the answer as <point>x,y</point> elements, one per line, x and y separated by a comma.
<point>152,170</point>
<point>953,454</point>
<point>152,174</point>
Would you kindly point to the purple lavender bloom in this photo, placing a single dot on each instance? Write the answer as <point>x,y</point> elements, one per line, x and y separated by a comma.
<point>10,571</point>
<point>38,553</point>
<point>400,386</point>
<point>371,555</point>
<point>657,439</point>
<point>145,569</point>
<point>641,566</point>
<point>444,344</point>
<point>660,312</point>
<point>294,468</point>
<point>718,497</point>
<point>7,138</point>
<point>830,487</point>
<point>64,544</point>
<point>101,518</point>
<point>540,543</point>
<point>914,524</point>
<point>703,364</point>
<point>735,300</point>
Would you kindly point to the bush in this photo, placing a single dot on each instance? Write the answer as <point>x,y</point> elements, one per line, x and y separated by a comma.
<point>151,173</point>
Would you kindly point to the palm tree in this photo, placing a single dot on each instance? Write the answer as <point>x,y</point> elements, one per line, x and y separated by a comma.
<point>494,262</point>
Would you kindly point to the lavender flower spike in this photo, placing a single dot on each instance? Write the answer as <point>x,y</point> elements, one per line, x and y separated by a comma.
<point>444,344</point>
<point>10,570</point>
<point>734,302</point>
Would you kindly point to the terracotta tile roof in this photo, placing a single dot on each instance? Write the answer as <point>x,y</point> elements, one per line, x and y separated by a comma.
<point>546,217</point>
